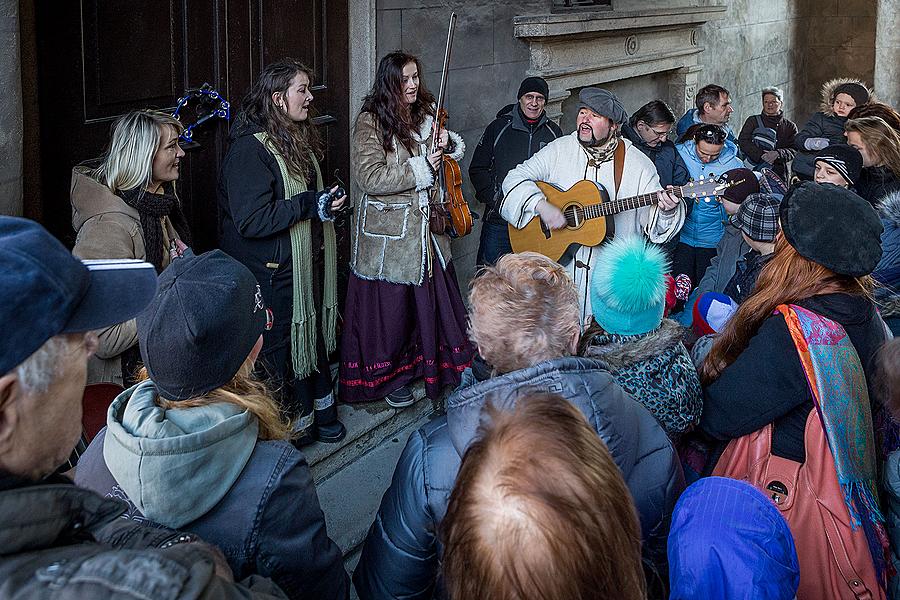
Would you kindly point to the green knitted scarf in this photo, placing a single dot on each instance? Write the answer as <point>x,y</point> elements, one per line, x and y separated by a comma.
<point>303,319</point>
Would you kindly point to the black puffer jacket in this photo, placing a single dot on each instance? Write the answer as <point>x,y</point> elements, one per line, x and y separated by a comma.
<point>401,555</point>
<point>60,541</point>
<point>508,141</point>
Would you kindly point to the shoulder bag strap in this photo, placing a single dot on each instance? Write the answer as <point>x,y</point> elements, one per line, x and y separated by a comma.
<point>618,165</point>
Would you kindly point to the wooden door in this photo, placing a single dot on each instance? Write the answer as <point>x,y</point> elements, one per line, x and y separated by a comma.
<point>97,59</point>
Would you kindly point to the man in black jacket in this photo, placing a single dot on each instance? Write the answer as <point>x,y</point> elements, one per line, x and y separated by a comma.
<point>57,540</point>
<point>519,131</point>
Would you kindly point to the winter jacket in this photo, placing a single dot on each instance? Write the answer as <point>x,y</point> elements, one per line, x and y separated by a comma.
<point>823,124</point>
<point>564,162</point>
<point>106,227</point>
<point>657,371</point>
<point>669,165</point>
<point>63,542</point>
<point>766,383</point>
<point>730,542</point>
<point>705,225</point>
<point>692,117</point>
<point>392,241</point>
<point>746,273</point>
<point>719,272</point>
<point>401,554</point>
<point>785,130</point>
<point>507,141</point>
<point>877,182</point>
<point>887,272</point>
<point>204,471</point>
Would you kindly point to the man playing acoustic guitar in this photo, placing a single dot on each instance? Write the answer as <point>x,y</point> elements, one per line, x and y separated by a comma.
<point>591,152</point>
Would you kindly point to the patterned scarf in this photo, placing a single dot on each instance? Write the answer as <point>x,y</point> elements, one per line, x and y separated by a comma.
<point>304,318</point>
<point>152,208</point>
<point>597,155</point>
<point>838,384</point>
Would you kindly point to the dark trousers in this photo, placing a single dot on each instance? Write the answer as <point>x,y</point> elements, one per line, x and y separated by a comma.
<point>494,243</point>
<point>692,261</point>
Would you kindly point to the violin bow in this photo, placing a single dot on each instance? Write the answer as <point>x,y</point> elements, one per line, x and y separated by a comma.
<point>440,101</point>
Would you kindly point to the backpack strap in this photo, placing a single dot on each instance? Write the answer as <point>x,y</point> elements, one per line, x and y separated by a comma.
<point>618,165</point>
<point>759,122</point>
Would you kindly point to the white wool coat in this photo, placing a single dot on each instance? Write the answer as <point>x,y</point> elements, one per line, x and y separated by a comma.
<point>563,162</point>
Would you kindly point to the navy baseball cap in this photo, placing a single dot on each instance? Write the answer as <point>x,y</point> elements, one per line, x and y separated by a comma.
<point>201,326</point>
<point>45,291</point>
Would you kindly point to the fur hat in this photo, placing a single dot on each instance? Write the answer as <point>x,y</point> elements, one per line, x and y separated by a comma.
<point>628,286</point>
<point>832,226</point>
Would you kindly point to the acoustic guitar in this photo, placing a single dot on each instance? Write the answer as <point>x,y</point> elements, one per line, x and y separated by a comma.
<point>586,206</point>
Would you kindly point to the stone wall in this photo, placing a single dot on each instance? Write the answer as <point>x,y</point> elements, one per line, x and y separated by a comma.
<point>10,111</point>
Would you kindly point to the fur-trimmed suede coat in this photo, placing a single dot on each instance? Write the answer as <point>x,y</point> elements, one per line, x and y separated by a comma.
<point>391,218</point>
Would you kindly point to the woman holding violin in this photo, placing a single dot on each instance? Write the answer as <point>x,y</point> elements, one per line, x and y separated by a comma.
<point>404,315</point>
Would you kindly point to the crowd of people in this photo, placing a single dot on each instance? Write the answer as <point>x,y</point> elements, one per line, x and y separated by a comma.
<point>703,405</point>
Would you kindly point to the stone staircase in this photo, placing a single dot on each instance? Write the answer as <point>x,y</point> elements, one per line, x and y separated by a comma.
<point>351,476</point>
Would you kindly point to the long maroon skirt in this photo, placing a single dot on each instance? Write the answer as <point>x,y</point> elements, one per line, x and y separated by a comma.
<point>394,334</point>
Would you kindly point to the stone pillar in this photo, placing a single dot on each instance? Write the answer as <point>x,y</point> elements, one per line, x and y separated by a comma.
<point>887,52</point>
<point>10,110</point>
<point>683,85</point>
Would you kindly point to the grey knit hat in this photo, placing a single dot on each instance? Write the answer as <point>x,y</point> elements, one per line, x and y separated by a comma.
<point>602,102</point>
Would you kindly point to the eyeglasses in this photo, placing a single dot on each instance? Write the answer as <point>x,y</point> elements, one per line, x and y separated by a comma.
<point>711,134</point>
<point>656,132</point>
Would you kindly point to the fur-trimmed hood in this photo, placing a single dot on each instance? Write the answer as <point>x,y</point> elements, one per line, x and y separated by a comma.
<point>889,208</point>
<point>619,351</point>
<point>828,90</point>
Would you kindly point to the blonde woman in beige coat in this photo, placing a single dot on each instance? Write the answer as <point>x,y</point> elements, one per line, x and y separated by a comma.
<point>404,317</point>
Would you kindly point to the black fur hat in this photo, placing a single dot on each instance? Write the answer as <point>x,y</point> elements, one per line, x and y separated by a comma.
<point>832,226</point>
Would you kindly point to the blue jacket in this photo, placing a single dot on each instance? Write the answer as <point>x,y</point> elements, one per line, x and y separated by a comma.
<point>705,224</point>
<point>692,117</point>
<point>887,272</point>
<point>202,470</point>
<point>730,542</point>
<point>401,554</point>
<point>669,165</point>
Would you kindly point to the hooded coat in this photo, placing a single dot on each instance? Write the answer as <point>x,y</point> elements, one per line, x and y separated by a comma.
<point>888,270</point>
<point>401,554</point>
<point>706,223</point>
<point>203,470</point>
<point>730,542</point>
<point>106,227</point>
<point>823,124</point>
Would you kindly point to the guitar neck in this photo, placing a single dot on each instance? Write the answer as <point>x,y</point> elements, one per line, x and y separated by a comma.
<point>595,211</point>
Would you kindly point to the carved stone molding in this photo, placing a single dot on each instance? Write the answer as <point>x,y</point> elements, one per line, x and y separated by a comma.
<point>574,50</point>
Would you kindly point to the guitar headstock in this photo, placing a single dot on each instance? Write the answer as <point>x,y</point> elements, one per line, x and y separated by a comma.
<point>706,187</point>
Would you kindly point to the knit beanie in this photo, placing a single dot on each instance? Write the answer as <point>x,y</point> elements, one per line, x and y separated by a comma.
<point>857,91</point>
<point>845,159</point>
<point>534,84</point>
<point>742,183</point>
<point>711,312</point>
<point>628,286</point>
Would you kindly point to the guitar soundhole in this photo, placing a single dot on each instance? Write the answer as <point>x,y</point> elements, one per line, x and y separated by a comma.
<point>574,216</point>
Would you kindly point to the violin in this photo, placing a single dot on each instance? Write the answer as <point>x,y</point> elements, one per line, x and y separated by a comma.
<point>453,204</point>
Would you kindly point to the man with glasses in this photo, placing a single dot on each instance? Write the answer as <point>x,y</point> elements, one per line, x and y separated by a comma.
<point>713,107</point>
<point>707,152</point>
<point>519,131</point>
<point>648,129</point>
<point>767,139</point>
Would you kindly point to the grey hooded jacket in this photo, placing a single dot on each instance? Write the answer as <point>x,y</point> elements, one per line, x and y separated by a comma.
<point>401,554</point>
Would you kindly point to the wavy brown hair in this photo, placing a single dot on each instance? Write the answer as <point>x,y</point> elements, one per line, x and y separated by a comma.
<point>540,511</point>
<point>295,142</point>
<point>881,139</point>
<point>244,391</point>
<point>385,101</point>
<point>787,278</point>
<point>877,109</point>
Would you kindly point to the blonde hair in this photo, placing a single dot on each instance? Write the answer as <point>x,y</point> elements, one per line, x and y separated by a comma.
<point>128,162</point>
<point>556,522</point>
<point>881,139</point>
<point>245,391</point>
<point>523,310</point>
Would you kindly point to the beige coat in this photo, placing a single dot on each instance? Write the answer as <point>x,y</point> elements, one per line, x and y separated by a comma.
<point>391,218</point>
<point>106,227</point>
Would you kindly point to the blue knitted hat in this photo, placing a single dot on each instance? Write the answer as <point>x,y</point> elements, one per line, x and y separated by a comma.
<point>628,286</point>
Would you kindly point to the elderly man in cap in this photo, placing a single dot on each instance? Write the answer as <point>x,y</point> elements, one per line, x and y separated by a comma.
<point>518,132</point>
<point>57,540</point>
<point>590,152</point>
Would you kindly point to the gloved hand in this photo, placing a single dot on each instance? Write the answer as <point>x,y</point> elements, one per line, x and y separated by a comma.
<point>816,143</point>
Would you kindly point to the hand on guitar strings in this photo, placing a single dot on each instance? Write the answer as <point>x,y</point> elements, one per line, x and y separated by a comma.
<point>550,215</point>
<point>668,201</point>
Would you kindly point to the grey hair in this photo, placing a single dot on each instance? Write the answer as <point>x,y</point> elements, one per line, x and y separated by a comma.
<point>775,91</point>
<point>38,372</point>
<point>128,162</point>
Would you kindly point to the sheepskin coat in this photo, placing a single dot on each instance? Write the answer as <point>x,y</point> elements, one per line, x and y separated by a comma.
<point>564,162</point>
<point>392,241</point>
<point>656,369</point>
